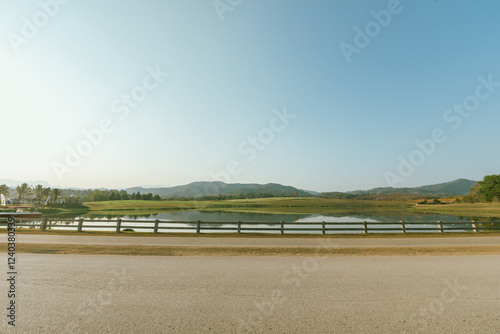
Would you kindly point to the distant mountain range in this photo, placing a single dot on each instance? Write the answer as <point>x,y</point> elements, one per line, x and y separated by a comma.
<point>14,183</point>
<point>458,187</point>
<point>200,189</point>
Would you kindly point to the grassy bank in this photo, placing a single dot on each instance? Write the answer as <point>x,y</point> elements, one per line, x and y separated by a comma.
<point>474,210</point>
<point>279,205</point>
<point>61,211</point>
<point>283,205</point>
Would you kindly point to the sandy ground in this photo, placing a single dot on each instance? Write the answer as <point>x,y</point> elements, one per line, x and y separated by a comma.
<point>144,294</point>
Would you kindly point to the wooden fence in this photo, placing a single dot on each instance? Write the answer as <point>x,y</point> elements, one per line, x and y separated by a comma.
<point>158,226</point>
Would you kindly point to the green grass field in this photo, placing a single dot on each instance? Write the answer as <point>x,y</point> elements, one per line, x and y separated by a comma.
<point>476,209</point>
<point>283,205</point>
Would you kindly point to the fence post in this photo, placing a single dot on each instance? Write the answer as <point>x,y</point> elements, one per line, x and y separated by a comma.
<point>157,223</point>
<point>282,227</point>
<point>80,224</point>
<point>474,229</point>
<point>365,227</point>
<point>239,227</point>
<point>403,228</point>
<point>440,226</point>
<point>323,231</point>
<point>118,225</point>
<point>198,226</point>
<point>44,224</point>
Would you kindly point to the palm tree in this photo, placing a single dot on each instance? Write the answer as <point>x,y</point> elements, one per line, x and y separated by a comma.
<point>41,192</point>
<point>55,193</point>
<point>22,191</point>
<point>4,190</point>
<point>38,190</point>
<point>46,192</point>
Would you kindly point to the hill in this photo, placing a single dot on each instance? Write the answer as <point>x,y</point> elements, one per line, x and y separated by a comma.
<point>14,183</point>
<point>458,188</point>
<point>202,189</point>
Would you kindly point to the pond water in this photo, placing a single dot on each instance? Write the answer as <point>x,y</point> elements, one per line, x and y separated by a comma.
<point>224,216</point>
<point>184,221</point>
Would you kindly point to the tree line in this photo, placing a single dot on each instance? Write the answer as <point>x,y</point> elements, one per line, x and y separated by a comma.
<point>26,193</point>
<point>117,195</point>
<point>487,190</point>
<point>39,194</point>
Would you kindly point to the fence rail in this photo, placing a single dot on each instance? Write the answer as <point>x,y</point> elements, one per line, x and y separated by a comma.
<point>158,226</point>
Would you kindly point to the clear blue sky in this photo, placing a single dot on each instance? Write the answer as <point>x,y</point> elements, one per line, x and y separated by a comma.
<point>354,114</point>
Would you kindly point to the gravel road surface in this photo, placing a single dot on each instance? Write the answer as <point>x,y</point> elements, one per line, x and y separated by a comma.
<point>141,294</point>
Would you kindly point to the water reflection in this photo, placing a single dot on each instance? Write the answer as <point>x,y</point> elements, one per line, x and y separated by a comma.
<point>223,216</point>
<point>191,221</point>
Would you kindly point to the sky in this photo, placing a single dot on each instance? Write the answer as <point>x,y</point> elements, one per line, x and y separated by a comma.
<point>322,95</point>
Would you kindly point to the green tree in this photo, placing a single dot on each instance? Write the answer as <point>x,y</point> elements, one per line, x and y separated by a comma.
<point>488,190</point>
<point>4,190</point>
<point>113,196</point>
<point>41,192</point>
<point>146,197</point>
<point>125,197</point>
<point>156,197</point>
<point>55,193</point>
<point>23,191</point>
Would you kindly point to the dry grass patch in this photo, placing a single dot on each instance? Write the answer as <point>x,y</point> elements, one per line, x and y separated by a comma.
<point>251,251</point>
